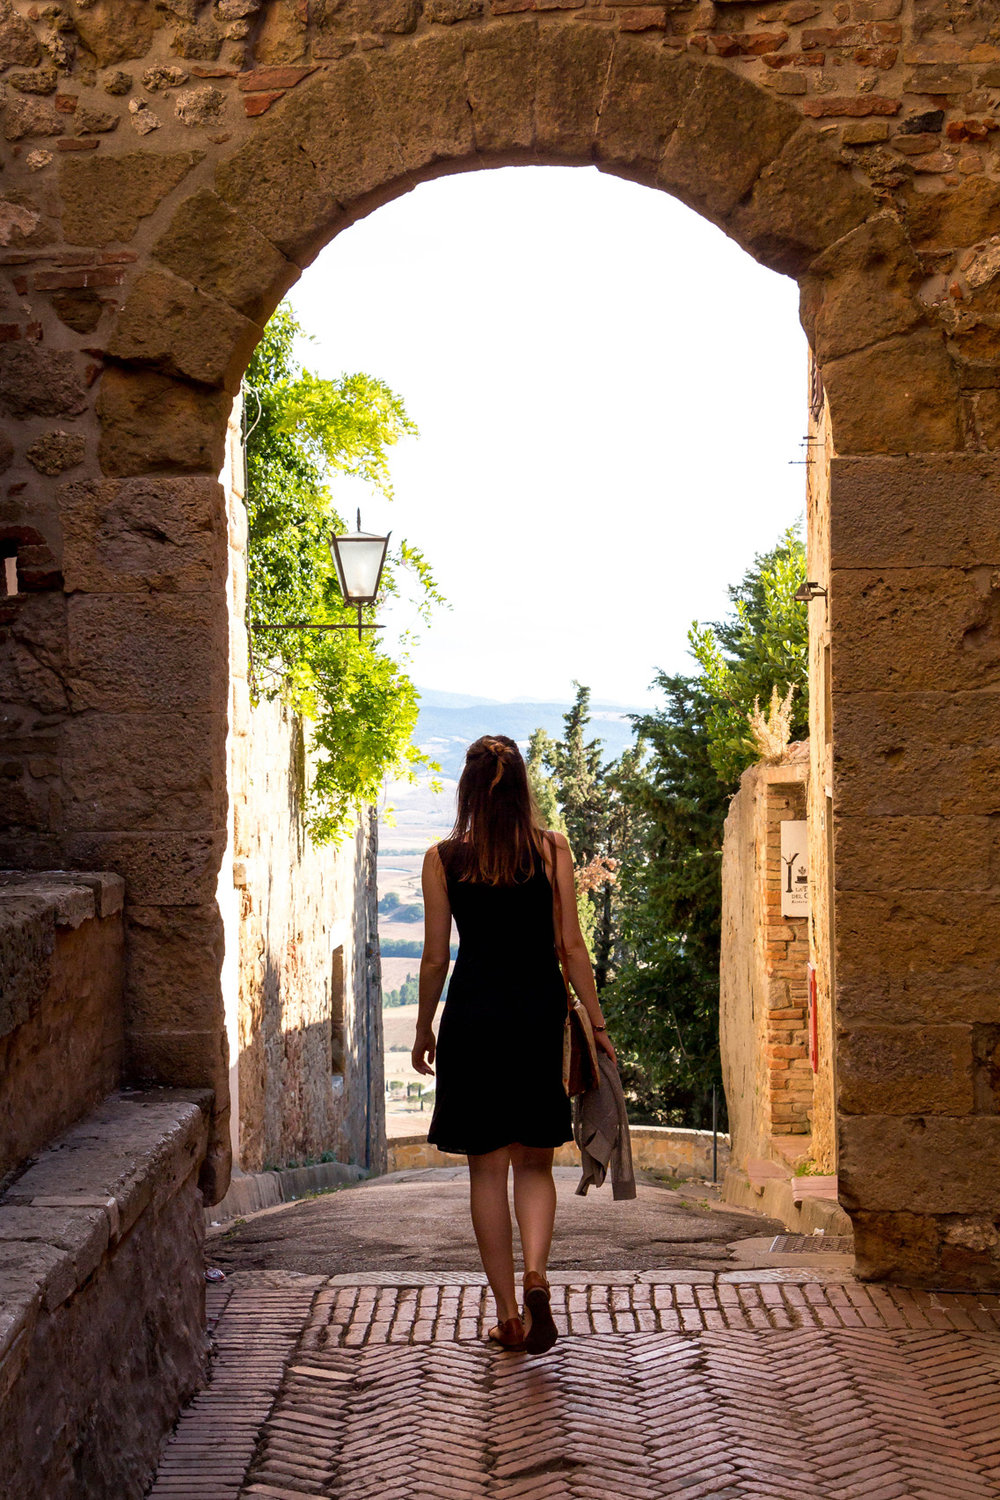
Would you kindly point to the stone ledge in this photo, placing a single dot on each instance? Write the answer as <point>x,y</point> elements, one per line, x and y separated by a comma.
<point>250,1192</point>
<point>107,890</point>
<point>779,1198</point>
<point>655,1148</point>
<point>33,905</point>
<point>82,1195</point>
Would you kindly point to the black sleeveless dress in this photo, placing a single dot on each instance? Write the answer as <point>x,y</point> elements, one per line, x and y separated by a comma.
<point>500,1041</point>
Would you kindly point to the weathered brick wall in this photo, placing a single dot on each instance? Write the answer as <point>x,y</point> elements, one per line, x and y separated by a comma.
<point>786,954</point>
<point>763,986</point>
<point>171,168</point>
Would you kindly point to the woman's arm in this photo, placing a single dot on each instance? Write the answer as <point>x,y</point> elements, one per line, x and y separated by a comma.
<point>434,960</point>
<point>581,970</point>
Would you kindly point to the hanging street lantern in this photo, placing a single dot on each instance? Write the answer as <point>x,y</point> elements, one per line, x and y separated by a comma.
<point>359,558</point>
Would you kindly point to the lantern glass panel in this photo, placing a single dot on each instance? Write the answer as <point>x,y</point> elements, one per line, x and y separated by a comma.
<point>359,560</point>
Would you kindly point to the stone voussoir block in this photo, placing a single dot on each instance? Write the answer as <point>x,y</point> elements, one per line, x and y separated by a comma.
<point>647,90</point>
<point>422,98</point>
<point>803,201</point>
<point>270,180</point>
<point>862,289</point>
<point>152,422</point>
<point>728,132</point>
<point>573,68</point>
<point>172,327</point>
<point>362,154</point>
<point>501,61</point>
<point>214,247</point>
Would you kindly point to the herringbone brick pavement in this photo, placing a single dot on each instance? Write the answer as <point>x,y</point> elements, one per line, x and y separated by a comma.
<point>701,1388</point>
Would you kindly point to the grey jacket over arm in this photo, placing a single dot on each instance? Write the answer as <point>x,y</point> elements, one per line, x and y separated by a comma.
<point>600,1126</point>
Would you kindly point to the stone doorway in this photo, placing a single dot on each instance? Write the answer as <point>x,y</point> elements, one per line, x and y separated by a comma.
<point>149,248</point>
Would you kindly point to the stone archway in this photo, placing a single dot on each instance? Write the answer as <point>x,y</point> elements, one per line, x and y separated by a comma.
<point>205,224</point>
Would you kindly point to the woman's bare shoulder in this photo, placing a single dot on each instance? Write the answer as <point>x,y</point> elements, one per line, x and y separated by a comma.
<point>559,839</point>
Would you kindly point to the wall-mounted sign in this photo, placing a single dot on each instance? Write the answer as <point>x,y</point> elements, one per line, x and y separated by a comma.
<point>794,870</point>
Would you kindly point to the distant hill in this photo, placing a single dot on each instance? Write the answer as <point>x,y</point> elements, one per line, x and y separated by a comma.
<point>449,722</point>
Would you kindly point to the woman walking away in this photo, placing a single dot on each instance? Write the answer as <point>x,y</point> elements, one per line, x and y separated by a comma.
<point>500,1098</point>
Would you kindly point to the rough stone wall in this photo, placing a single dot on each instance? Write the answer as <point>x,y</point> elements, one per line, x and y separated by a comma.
<point>61,1023</point>
<point>170,169</point>
<point>763,992</point>
<point>304,1011</point>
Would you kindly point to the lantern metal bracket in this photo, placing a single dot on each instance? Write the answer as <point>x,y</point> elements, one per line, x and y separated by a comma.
<point>314,625</point>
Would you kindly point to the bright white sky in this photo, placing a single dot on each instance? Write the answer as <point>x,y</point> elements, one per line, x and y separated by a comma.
<point>609,393</point>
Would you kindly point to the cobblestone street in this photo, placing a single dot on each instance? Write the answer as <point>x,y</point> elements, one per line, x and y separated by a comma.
<point>773,1382</point>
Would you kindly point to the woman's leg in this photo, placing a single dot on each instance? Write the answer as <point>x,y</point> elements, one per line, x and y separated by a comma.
<point>491,1221</point>
<point>534,1203</point>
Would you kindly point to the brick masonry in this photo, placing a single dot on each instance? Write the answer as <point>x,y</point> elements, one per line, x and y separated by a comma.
<point>764,972</point>
<point>786,955</point>
<point>748,1384</point>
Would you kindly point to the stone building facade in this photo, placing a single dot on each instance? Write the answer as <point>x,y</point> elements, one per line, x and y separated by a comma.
<point>170,169</point>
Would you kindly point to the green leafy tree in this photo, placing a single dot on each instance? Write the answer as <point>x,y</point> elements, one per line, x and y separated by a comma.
<point>301,431</point>
<point>407,994</point>
<point>576,770</point>
<point>763,645</point>
<point>540,747</point>
<point>663,1003</point>
<point>664,996</point>
<point>583,797</point>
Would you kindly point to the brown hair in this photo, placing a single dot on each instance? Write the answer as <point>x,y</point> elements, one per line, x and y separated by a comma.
<point>497,828</point>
